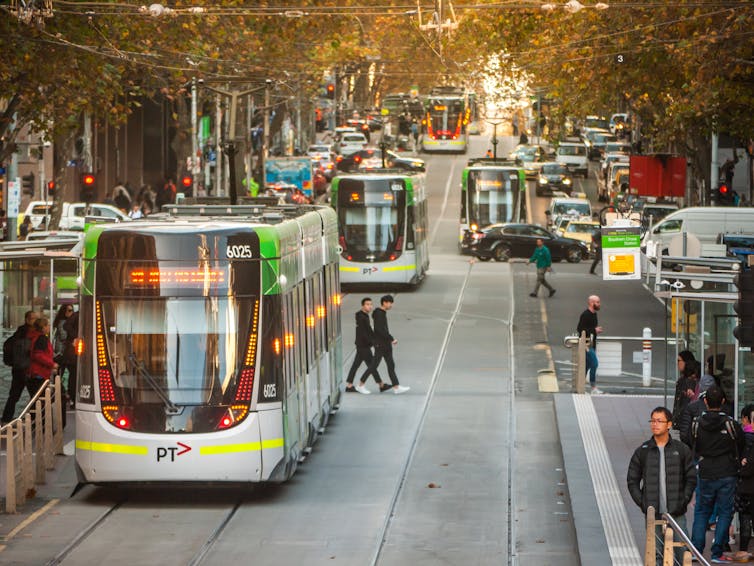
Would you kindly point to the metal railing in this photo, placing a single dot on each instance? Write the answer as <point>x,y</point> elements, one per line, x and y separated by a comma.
<point>31,442</point>
<point>669,528</point>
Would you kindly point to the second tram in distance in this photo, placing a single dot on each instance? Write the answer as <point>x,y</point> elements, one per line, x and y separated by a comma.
<point>492,191</point>
<point>382,226</point>
<point>210,344</point>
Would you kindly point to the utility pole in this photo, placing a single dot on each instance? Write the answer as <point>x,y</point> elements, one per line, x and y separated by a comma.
<point>494,137</point>
<point>195,159</point>
<point>265,133</point>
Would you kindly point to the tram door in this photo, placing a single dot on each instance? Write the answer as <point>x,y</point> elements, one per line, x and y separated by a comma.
<point>290,360</point>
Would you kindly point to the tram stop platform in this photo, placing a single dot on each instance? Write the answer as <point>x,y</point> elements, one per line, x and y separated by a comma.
<point>598,435</point>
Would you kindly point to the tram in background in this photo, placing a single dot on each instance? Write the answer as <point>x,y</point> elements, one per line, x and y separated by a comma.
<point>210,346</point>
<point>492,191</point>
<point>446,120</point>
<point>382,226</point>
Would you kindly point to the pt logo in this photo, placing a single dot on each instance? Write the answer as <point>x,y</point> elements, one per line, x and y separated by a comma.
<point>171,452</point>
<point>369,270</point>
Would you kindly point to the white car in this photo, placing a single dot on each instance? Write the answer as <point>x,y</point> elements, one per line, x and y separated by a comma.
<point>351,143</point>
<point>73,214</point>
<point>574,156</point>
<point>318,151</point>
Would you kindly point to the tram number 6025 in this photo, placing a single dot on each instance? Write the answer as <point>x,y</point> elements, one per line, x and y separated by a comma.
<point>238,252</point>
<point>269,391</point>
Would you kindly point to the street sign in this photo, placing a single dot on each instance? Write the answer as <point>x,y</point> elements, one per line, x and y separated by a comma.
<point>14,197</point>
<point>621,254</point>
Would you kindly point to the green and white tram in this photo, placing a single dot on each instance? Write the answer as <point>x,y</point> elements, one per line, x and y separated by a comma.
<point>446,120</point>
<point>382,226</point>
<point>492,191</point>
<point>210,344</point>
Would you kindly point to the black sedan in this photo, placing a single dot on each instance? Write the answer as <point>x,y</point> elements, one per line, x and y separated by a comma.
<point>371,158</point>
<point>554,177</point>
<point>505,241</point>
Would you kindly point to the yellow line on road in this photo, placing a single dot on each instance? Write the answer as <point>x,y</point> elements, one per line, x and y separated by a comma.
<point>31,518</point>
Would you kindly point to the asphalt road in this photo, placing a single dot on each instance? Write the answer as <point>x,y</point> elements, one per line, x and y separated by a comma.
<point>466,468</point>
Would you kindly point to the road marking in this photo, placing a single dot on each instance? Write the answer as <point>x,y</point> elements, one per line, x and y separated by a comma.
<point>548,383</point>
<point>620,538</point>
<point>31,518</point>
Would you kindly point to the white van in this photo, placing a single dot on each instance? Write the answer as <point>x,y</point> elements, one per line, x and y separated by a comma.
<point>568,207</point>
<point>573,155</point>
<point>703,222</point>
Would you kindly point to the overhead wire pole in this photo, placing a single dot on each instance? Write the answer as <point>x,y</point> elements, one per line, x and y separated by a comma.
<point>265,133</point>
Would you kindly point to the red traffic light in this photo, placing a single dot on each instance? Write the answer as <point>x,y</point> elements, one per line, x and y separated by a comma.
<point>723,189</point>
<point>186,181</point>
<point>88,179</point>
<point>330,88</point>
<point>50,185</point>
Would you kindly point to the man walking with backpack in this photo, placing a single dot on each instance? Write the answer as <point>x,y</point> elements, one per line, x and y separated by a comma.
<point>718,442</point>
<point>17,354</point>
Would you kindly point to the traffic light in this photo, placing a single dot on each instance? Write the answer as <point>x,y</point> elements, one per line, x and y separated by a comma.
<point>27,184</point>
<point>744,307</point>
<point>330,89</point>
<point>186,183</point>
<point>88,186</point>
<point>725,196</point>
<point>50,189</point>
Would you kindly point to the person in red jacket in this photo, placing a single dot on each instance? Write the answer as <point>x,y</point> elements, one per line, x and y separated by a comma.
<point>42,362</point>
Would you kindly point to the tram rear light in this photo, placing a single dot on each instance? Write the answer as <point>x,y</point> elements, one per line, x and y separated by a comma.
<point>226,422</point>
<point>392,257</point>
<point>123,422</point>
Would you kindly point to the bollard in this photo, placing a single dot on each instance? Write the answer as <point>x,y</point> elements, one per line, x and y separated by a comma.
<point>28,454</point>
<point>10,470</point>
<point>669,550</point>
<point>651,544</point>
<point>49,455</point>
<point>580,369</point>
<point>646,357</point>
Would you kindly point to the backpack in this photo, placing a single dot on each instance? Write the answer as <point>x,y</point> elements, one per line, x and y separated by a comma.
<point>21,353</point>
<point>728,427</point>
<point>8,350</point>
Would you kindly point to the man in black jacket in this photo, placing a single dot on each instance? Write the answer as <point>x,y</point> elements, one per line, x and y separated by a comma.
<point>364,342</point>
<point>661,474</point>
<point>18,372</point>
<point>718,442</point>
<point>384,342</point>
<point>692,411</point>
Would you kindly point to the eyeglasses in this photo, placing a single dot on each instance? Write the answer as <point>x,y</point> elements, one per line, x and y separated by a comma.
<point>658,421</point>
<point>69,310</point>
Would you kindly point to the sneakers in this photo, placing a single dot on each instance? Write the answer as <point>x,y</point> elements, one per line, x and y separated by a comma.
<point>351,390</point>
<point>596,391</point>
<point>400,389</point>
<point>532,294</point>
<point>722,560</point>
<point>385,387</point>
<point>552,292</point>
<point>361,389</point>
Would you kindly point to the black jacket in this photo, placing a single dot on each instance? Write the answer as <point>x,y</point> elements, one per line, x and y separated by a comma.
<point>746,483</point>
<point>717,452</point>
<point>382,336</point>
<point>643,477</point>
<point>588,323</point>
<point>364,332</point>
<point>694,409</point>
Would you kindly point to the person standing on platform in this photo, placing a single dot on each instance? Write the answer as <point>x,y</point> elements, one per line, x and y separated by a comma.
<point>543,260</point>
<point>364,342</point>
<point>596,249</point>
<point>20,352</point>
<point>718,442</point>
<point>588,323</point>
<point>662,474</point>
<point>384,342</point>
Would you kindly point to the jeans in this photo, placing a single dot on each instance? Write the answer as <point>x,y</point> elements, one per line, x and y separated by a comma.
<point>385,352</point>
<point>591,366</point>
<point>718,492</point>
<point>660,541</point>
<point>363,355</point>
<point>18,382</point>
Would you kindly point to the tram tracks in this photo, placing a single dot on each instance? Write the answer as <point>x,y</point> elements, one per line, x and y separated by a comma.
<point>87,532</point>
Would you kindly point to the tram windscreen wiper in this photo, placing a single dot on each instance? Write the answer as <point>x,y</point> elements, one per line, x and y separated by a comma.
<point>170,407</point>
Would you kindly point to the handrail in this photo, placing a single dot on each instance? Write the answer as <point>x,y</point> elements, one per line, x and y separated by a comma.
<point>685,539</point>
<point>32,439</point>
<point>572,339</point>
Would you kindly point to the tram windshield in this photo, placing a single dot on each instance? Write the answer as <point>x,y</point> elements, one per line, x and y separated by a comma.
<point>371,214</point>
<point>173,335</point>
<point>445,118</point>
<point>492,196</point>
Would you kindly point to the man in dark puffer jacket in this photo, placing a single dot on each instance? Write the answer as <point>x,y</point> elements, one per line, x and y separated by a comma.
<point>662,474</point>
